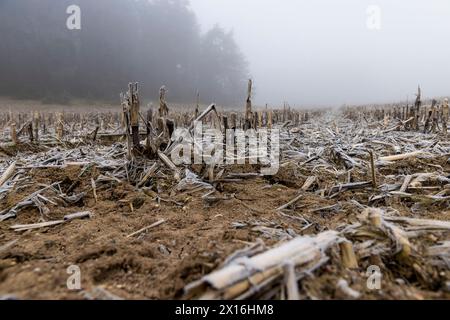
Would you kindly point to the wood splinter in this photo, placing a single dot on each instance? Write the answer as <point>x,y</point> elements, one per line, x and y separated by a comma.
<point>157,223</point>
<point>348,256</point>
<point>372,170</point>
<point>8,173</point>
<point>290,281</point>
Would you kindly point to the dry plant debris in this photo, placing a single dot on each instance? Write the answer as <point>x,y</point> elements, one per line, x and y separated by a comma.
<point>357,190</point>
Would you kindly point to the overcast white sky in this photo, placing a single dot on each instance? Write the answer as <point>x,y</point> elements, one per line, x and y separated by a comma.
<point>321,52</point>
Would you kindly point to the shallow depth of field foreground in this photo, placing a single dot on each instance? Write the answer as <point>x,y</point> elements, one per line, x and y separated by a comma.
<point>92,206</point>
<point>224,150</point>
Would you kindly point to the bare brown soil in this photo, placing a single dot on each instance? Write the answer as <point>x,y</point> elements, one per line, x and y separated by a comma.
<point>192,242</point>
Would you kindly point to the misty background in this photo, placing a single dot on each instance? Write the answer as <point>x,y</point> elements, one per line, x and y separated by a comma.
<point>321,52</point>
<point>307,53</point>
<point>154,43</point>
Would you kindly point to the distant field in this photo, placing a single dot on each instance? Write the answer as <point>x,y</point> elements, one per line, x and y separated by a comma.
<point>7,104</point>
<point>355,189</point>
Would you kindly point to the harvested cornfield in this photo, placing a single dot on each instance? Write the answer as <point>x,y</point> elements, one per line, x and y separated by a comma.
<point>95,206</point>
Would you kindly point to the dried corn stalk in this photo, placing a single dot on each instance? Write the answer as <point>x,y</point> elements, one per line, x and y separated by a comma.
<point>237,279</point>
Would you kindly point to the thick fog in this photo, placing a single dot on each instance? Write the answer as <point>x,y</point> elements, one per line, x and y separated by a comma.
<point>306,53</point>
<point>332,52</point>
<point>60,51</point>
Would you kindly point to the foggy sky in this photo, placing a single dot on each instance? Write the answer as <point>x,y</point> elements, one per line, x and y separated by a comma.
<point>322,53</point>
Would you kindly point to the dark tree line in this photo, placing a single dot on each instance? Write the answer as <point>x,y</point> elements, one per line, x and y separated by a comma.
<point>152,42</point>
